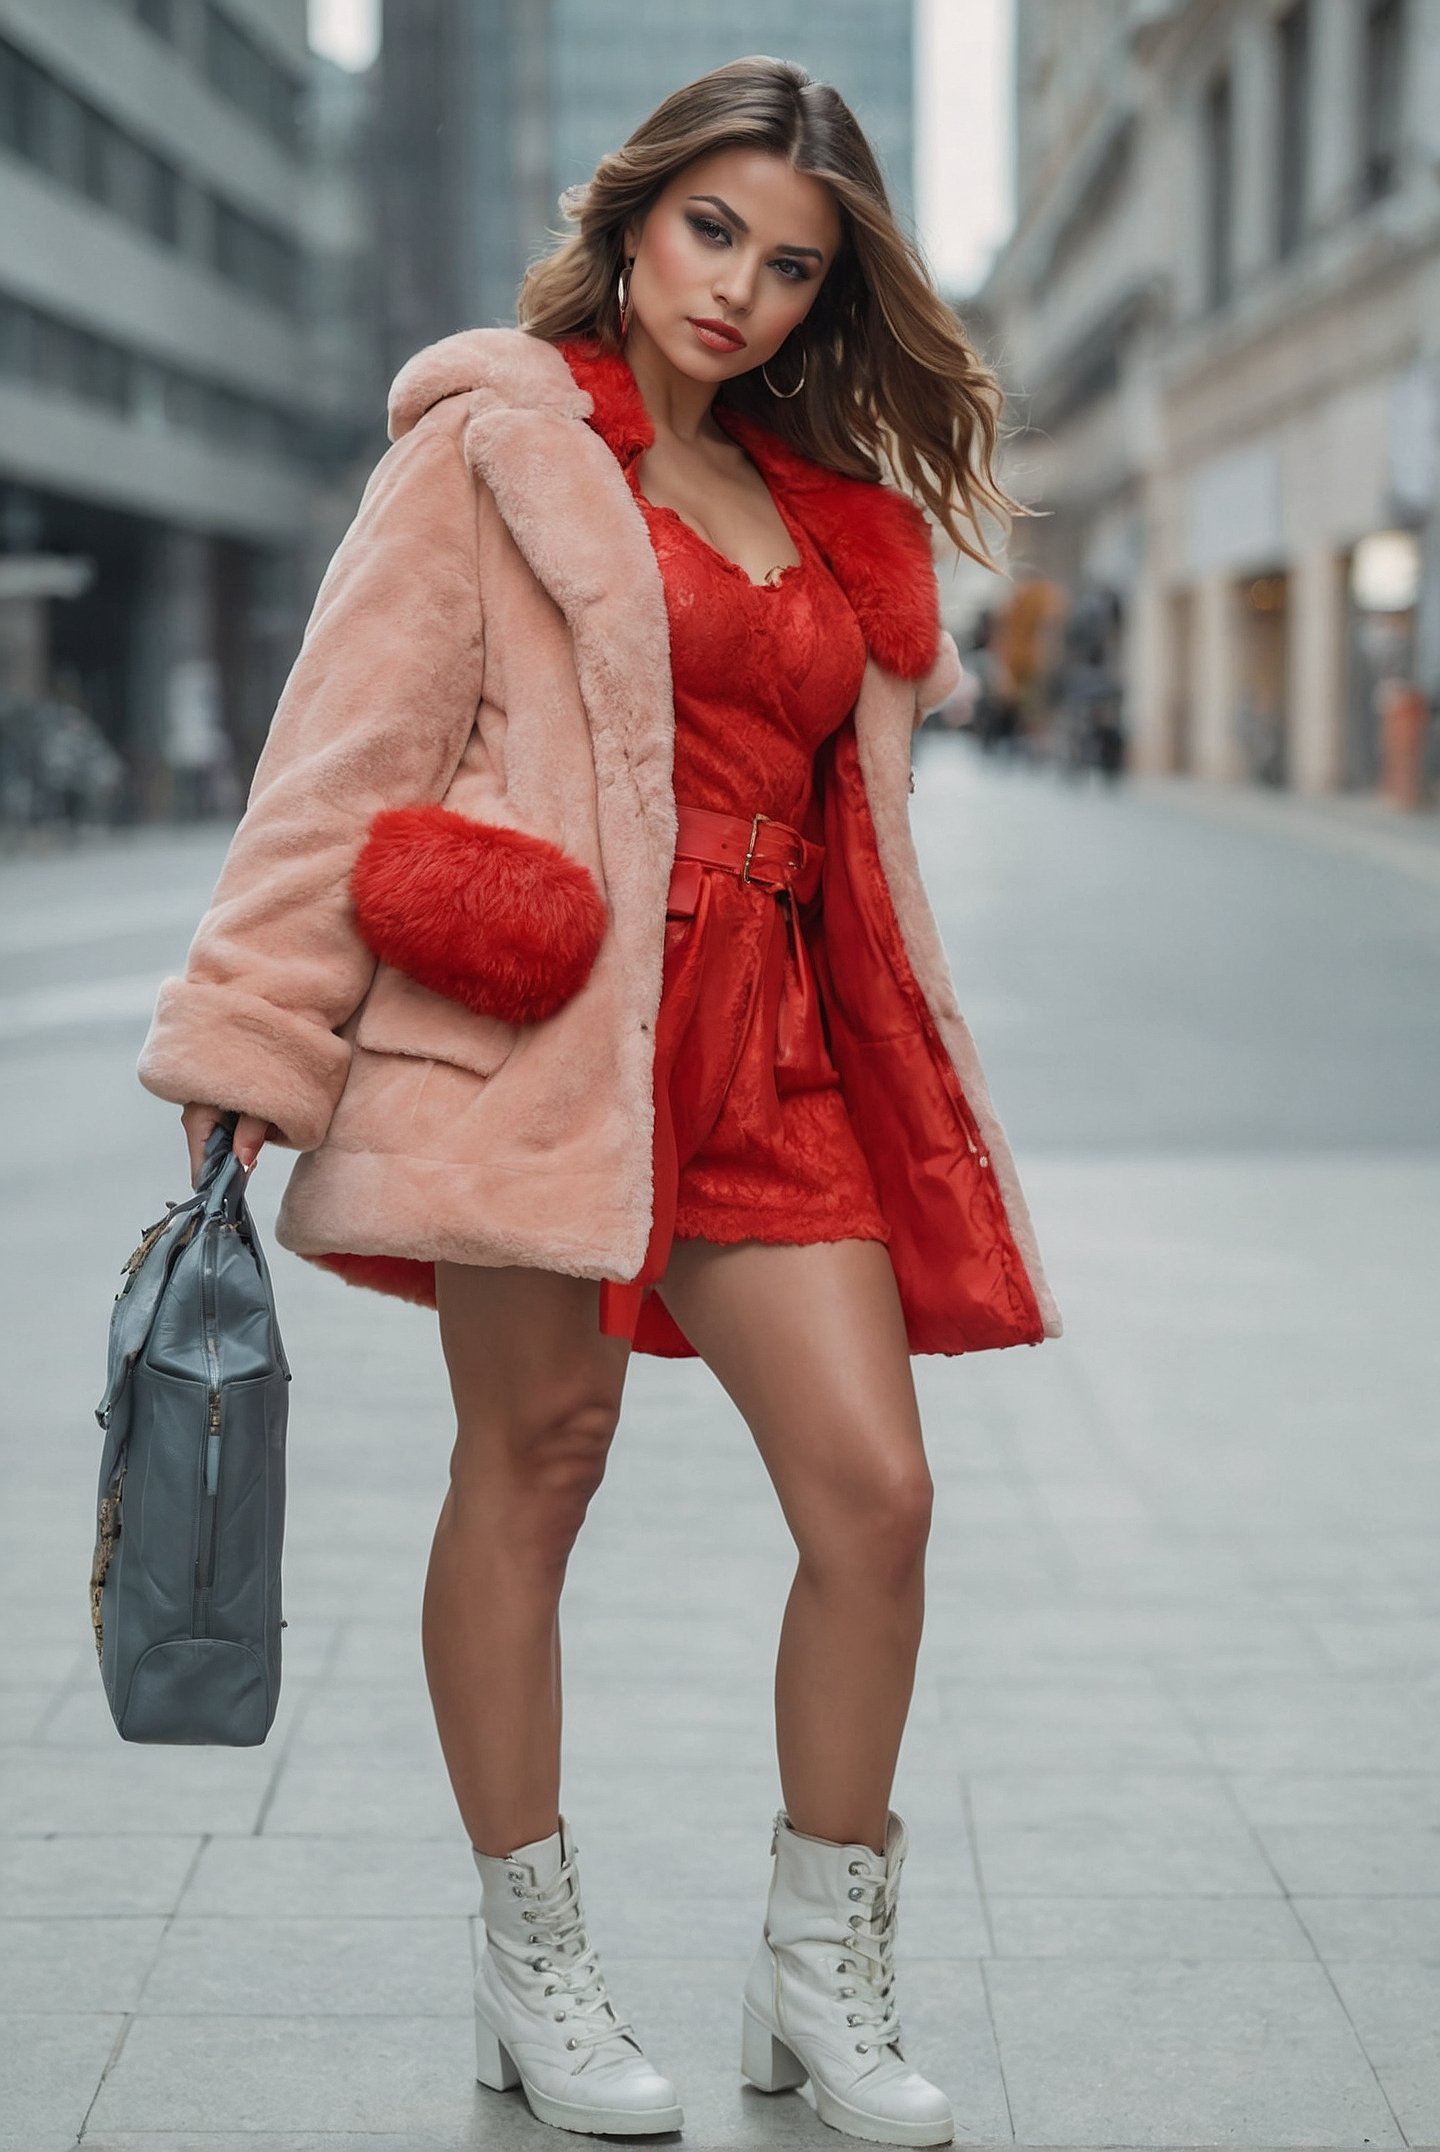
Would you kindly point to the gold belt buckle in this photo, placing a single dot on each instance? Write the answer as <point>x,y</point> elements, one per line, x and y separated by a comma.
<point>756,820</point>
<point>791,866</point>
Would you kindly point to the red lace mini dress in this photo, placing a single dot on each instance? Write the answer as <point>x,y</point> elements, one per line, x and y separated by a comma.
<point>763,673</point>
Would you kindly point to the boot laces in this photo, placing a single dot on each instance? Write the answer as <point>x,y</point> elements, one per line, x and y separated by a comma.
<point>557,1914</point>
<point>872,1947</point>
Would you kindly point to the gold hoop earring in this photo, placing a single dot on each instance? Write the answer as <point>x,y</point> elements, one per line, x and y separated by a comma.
<point>785,394</point>
<point>622,295</point>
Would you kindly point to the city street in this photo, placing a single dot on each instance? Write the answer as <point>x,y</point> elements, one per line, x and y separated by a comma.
<point>1172,1772</point>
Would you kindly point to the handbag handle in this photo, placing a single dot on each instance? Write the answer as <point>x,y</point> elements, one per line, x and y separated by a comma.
<point>221,1180</point>
<point>222,1185</point>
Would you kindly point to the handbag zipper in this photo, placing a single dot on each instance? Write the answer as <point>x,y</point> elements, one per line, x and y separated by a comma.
<point>205,1561</point>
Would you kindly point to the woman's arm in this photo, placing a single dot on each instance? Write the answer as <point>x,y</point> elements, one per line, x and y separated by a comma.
<point>941,681</point>
<point>376,713</point>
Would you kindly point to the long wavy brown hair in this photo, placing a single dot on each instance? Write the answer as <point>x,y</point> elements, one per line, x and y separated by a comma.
<point>893,389</point>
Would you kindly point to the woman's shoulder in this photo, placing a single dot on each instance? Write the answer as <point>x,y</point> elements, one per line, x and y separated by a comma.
<point>509,366</point>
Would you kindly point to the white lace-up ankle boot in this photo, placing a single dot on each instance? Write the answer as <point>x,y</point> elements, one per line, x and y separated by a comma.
<point>819,1997</point>
<point>543,2018</point>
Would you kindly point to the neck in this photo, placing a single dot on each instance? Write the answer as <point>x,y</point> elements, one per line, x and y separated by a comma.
<point>678,405</point>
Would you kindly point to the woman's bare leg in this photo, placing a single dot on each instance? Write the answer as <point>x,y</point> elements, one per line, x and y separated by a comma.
<point>810,1344</point>
<point>537,1392</point>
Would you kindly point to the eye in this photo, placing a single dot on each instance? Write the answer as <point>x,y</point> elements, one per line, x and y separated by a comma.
<point>708,225</point>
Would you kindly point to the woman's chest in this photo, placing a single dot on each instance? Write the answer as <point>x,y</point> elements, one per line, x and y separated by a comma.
<point>789,650</point>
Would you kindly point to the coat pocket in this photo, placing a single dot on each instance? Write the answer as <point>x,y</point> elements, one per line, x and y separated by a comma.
<point>399,1016</point>
<point>491,917</point>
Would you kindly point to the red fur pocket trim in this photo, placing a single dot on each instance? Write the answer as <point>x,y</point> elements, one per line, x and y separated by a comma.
<point>497,919</point>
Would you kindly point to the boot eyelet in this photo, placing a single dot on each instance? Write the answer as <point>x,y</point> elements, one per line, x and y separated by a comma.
<point>572,2043</point>
<point>855,1891</point>
<point>851,2018</point>
<point>559,2017</point>
<point>515,1891</point>
<point>859,2047</point>
<point>854,1921</point>
<point>856,1869</point>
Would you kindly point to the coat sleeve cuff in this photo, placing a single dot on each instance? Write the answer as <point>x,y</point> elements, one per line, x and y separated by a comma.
<point>223,1047</point>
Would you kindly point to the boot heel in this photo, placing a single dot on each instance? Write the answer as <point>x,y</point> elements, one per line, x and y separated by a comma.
<point>493,2063</point>
<point>765,2059</point>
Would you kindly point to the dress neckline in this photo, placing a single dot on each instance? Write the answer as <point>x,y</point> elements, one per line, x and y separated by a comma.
<point>790,570</point>
<point>619,416</point>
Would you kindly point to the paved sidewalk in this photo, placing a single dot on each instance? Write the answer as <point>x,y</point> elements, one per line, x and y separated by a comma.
<point>1173,1767</point>
<point>1362,825</point>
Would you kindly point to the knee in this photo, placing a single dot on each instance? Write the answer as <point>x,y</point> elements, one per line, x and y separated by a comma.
<point>881,1529</point>
<point>535,1478</point>
<point>898,1519</point>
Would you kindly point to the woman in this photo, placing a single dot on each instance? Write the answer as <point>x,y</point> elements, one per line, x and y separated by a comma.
<point>574,937</point>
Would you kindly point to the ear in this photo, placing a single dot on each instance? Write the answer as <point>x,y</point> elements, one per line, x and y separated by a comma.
<point>493,917</point>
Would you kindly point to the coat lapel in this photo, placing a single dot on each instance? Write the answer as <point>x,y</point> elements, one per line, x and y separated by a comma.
<point>563,498</point>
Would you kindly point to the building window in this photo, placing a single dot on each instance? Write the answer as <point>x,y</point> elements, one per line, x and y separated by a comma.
<point>159,16</point>
<point>1293,35</point>
<point>235,65</point>
<point>72,143</point>
<point>128,180</point>
<point>246,76</point>
<point>62,359</point>
<point>248,254</point>
<point>76,145</point>
<point>1383,91</point>
<point>1219,147</point>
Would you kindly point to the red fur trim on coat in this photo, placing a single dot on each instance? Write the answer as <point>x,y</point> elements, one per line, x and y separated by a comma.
<point>500,920</point>
<point>875,539</point>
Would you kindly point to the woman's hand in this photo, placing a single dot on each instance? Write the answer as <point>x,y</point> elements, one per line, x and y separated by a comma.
<point>251,1130</point>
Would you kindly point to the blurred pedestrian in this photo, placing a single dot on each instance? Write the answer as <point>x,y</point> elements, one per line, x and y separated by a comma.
<point>573,935</point>
<point>74,774</point>
<point>195,744</point>
<point>1404,719</point>
<point>1028,647</point>
<point>1090,731</point>
<point>996,714</point>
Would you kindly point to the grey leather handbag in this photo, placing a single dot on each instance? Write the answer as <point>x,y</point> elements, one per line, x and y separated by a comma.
<point>185,1582</point>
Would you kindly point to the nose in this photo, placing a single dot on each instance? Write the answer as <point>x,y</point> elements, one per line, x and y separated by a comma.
<point>735,289</point>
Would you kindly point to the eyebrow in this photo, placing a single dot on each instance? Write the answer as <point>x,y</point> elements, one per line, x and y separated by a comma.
<point>739,222</point>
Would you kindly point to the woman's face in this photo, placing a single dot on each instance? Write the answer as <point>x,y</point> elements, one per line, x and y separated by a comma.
<point>737,238</point>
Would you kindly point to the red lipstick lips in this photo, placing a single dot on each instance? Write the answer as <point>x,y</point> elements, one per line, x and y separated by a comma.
<point>717,335</point>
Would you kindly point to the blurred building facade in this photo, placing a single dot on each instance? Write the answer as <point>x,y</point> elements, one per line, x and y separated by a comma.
<point>183,362</point>
<point>490,111</point>
<point>1218,323</point>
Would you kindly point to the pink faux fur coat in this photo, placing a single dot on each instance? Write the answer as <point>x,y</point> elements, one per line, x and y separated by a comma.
<point>433,956</point>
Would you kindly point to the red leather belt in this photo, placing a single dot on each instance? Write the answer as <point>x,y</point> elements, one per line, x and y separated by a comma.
<point>770,855</point>
<point>760,849</point>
